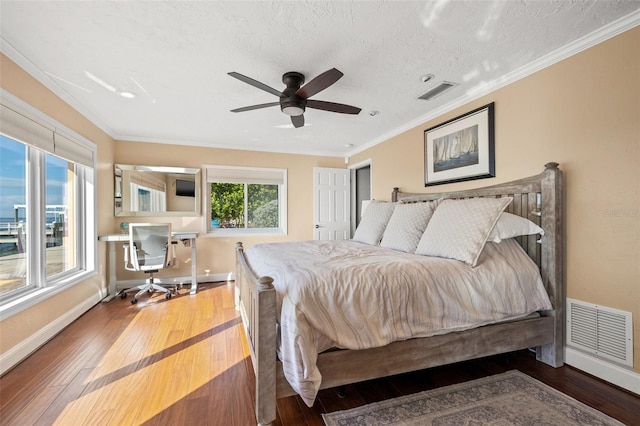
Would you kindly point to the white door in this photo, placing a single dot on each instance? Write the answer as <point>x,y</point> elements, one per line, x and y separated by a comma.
<point>331,204</point>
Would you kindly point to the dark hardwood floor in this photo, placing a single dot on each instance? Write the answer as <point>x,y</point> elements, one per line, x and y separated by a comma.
<point>185,361</point>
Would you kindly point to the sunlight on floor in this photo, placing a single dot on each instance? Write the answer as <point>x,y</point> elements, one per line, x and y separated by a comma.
<point>156,364</point>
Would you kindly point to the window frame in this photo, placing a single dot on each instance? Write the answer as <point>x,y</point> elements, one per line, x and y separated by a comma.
<point>75,149</point>
<point>239,174</point>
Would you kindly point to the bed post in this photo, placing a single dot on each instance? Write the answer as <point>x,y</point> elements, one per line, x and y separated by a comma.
<point>256,300</point>
<point>394,194</point>
<point>266,353</point>
<point>552,260</point>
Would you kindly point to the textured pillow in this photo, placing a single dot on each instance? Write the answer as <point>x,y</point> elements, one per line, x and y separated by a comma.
<point>373,222</point>
<point>406,226</point>
<point>459,229</point>
<point>510,226</point>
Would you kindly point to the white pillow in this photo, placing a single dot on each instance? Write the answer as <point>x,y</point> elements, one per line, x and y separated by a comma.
<point>407,224</point>
<point>373,222</point>
<point>510,226</point>
<point>459,229</point>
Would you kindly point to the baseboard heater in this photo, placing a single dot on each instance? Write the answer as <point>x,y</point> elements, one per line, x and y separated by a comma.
<point>601,331</point>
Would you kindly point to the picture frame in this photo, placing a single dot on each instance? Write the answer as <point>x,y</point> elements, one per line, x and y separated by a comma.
<point>461,149</point>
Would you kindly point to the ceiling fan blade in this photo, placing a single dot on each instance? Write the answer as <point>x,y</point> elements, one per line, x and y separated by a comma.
<point>297,120</point>
<point>252,107</point>
<point>333,107</point>
<point>256,83</point>
<point>319,83</point>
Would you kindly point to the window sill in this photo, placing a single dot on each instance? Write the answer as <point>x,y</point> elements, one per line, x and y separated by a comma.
<point>235,232</point>
<point>21,303</point>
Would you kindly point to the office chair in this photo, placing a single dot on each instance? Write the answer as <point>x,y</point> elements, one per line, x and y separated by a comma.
<point>149,249</point>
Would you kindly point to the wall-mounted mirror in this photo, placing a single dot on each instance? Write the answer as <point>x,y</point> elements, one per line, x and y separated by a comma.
<point>156,191</point>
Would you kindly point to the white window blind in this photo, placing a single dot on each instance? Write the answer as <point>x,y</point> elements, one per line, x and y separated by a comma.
<point>19,125</point>
<point>229,174</point>
<point>148,181</point>
<point>70,149</point>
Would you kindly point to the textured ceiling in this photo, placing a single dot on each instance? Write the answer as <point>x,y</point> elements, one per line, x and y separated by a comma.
<point>175,57</point>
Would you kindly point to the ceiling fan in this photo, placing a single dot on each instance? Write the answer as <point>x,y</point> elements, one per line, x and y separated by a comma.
<point>294,99</point>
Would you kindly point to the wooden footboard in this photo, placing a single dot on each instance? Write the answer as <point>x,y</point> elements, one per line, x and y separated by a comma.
<point>256,300</point>
<point>341,367</point>
<point>539,198</point>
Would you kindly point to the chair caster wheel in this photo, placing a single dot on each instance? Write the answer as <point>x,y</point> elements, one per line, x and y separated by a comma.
<point>123,295</point>
<point>168,296</point>
<point>134,301</point>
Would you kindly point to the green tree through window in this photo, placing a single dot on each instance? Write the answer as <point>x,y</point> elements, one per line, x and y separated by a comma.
<point>263,206</point>
<point>230,207</point>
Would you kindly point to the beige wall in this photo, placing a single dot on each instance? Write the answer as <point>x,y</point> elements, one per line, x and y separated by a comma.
<point>216,254</point>
<point>17,328</point>
<point>583,113</point>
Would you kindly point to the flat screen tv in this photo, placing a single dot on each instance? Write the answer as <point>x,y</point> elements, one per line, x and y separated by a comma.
<point>185,188</point>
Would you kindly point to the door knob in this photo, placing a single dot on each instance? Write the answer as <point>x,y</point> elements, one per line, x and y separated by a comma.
<point>317,226</point>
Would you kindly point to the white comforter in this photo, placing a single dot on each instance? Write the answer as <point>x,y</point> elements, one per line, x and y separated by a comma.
<point>355,296</point>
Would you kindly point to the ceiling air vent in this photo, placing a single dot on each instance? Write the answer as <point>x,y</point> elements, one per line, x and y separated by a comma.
<point>438,90</point>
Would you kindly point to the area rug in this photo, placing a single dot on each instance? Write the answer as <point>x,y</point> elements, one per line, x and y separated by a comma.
<point>510,398</point>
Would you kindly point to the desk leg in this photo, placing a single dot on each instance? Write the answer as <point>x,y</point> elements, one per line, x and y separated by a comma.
<point>111,289</point>
<point>194,268</point>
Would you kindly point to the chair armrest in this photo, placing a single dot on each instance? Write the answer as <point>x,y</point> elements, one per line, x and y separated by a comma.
<point>171,255</point>
<point>127,265</point>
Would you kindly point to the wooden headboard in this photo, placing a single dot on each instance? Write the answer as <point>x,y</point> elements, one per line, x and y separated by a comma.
<point>540,199</point>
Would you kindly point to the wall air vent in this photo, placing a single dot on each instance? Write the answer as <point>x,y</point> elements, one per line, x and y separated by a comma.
<point>438,90</point>
<point>601,331</point>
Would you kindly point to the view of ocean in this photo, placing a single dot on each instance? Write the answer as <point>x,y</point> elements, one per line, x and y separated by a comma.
<point>5,220</point>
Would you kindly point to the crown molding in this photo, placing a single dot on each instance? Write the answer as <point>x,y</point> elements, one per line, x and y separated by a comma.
<point>602,34</point>
<point>23,62</point>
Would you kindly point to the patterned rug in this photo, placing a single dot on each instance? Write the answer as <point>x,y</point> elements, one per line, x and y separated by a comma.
<point>510,398</point>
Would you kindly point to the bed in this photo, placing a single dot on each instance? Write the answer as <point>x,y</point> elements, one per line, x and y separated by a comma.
<point>538,198</point>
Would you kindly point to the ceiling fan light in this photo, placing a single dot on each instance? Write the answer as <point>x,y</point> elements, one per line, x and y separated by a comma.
<point>293,111</point>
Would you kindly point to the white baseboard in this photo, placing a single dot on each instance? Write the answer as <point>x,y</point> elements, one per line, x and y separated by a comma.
<point>25,348</point>
<point>605,370</point>
<point>210,278</point>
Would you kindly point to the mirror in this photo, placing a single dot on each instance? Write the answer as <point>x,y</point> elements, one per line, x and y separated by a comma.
<point>156,191</point>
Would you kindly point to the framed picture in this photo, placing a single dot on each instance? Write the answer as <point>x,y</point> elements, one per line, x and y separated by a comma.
<point>460,149</point>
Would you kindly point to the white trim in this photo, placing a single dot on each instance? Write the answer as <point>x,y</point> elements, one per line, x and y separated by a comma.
<point>612,373</point>
<point>242,232</point>
<point>361,164</point>
<point>250,174</point>
<point>24,63</point>
<point>598,36</point>
<point>19,352</point>
<point>602,34</point>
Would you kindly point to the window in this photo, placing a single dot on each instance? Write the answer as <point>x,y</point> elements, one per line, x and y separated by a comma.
<point>60,184</point>
<point>148,193</point>
<point>13,232</point>
<point>246,200</point>
<point>47,223</point>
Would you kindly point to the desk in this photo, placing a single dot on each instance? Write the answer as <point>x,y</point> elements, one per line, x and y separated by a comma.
<point>187,238</point>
